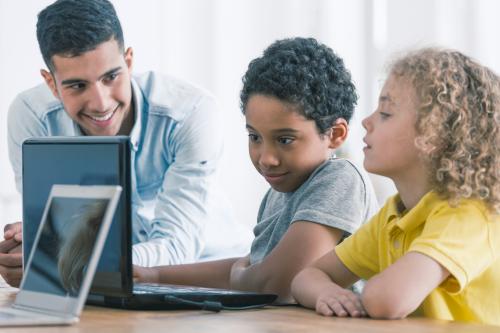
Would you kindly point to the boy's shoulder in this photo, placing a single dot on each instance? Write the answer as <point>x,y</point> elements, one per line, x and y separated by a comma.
<point>339,170</point>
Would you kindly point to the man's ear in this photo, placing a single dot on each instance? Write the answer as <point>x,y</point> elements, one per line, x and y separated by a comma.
<point>51,82</point>
<point>129,57</point>
<point>338,133</point>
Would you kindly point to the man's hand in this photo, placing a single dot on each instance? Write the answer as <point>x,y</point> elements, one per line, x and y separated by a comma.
<point>11,257</point>
<point>340,302</point>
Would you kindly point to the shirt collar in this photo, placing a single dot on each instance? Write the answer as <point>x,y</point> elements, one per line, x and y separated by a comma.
<point>138,103</point>
<point>418,214</point>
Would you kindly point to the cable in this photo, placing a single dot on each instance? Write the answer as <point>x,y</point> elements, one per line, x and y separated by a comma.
<point>209,305</point>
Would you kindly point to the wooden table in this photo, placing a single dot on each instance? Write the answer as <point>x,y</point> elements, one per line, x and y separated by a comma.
<point>273,319</point>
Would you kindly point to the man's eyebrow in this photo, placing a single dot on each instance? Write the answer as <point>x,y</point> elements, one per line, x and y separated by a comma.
<point>69,82</point>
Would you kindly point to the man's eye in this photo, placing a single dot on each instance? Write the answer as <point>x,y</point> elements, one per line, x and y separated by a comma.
<point>111,77</point>
<point>285,140</point>
<point>77,86</point>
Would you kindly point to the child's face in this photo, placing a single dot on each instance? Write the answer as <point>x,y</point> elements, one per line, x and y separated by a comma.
<point>285,147</point>
<point>390,132</point>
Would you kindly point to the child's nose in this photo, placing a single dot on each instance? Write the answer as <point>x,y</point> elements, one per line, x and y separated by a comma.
<point>268,158</point>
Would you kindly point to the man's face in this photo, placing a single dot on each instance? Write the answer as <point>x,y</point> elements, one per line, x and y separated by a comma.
<point>95,88</point>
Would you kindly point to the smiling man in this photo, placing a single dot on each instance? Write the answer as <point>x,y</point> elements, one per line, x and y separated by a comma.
<point>174,128</point>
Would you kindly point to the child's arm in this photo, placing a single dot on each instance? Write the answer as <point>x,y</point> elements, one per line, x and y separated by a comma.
<point>211,274</point>
<point>302,244</point>
<point>403,286</point>
<point>322,287</point>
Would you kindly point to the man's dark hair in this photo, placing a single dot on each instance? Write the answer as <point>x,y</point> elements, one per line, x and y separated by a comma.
<point>72,27</point>
<point>306,74</point>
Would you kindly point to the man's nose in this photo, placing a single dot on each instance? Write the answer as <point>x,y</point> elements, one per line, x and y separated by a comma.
<point>100,98</point>
<point>268,157</point>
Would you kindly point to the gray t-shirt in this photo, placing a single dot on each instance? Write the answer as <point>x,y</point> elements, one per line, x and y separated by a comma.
<point>337,194</point>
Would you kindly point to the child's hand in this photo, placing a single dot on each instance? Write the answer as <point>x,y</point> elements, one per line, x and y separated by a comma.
<point>146,274</point>
<point>340,302</point>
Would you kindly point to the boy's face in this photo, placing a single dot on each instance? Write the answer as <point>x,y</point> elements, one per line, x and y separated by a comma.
<point>95,88</point>
<point>390,133</point>
<point>284,146</point>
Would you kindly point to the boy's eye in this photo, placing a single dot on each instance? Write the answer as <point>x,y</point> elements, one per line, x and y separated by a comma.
<point>285,140</point>
<point>253,137</point>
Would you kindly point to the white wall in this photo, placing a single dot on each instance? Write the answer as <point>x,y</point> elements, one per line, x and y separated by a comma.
<point>210,43</point>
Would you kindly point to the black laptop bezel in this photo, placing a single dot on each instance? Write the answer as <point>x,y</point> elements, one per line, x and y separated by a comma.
<point>125,288</point>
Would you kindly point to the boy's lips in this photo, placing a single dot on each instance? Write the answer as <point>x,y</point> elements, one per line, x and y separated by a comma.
<point>274,177</point>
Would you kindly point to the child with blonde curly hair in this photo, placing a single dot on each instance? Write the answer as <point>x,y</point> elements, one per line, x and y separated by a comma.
<point>434,248</point>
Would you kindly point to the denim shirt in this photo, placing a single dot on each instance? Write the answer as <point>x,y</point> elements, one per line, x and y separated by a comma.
<point>179,213</point>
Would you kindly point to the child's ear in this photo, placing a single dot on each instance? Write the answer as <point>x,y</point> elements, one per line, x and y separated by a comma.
<point>338,133</point>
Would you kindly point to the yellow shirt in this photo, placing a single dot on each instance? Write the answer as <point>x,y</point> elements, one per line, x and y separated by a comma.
<point>464,239</point>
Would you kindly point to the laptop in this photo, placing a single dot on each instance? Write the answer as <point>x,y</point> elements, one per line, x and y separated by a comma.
<point>64,256</point>
<point>94,160</point>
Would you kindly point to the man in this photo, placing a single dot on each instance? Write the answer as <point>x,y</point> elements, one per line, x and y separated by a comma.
<point>173,127</point>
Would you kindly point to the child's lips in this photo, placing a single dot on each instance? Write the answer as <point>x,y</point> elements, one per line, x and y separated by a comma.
<point>274,177</point>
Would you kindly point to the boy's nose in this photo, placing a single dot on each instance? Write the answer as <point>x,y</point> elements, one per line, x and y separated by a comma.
<point>268,159</point>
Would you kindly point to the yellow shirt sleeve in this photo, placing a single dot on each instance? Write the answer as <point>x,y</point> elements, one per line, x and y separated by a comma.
<point>360,252</point>
<point>462,239</point>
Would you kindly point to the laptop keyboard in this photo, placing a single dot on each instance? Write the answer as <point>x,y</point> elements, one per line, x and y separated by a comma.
<point>152,288</point>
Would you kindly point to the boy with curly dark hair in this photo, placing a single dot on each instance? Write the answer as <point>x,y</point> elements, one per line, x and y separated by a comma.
<point>297,100</point>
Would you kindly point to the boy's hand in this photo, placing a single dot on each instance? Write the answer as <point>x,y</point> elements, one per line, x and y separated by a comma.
<point>146,274</point>
<point>340,302</point>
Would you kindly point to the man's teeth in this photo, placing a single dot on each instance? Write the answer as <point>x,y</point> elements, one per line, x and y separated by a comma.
<point>103,118</point>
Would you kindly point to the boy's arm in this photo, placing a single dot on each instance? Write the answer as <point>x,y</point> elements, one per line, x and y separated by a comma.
<point>321,286</point>
<point>302,244</point>
<point>402,287</point>
<point>210,274</point>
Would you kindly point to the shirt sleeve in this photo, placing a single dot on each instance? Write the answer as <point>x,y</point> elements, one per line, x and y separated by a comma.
<point>22,123</point>
<point>335,196</point>
<point>461,239</point>
<point>188,189</point>
<point>360,251</point>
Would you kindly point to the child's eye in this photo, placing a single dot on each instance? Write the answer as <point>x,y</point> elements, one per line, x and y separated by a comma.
<point>253,137</point>
<point>384,115</point>
<point>285,140</point>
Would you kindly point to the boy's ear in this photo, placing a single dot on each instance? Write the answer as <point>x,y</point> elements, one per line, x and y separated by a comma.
<point>338,133</point>
<point>51,82</point>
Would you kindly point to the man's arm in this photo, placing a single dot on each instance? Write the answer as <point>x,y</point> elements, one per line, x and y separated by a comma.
<point>184,201</point>
<point>303,243</point>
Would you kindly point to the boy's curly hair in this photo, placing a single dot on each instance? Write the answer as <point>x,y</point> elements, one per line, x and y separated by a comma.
<point>457,123</point>
<point>306,74</point>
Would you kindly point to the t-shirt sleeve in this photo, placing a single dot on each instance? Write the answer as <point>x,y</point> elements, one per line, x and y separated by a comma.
<point>334,196</point>
<point>360,251</point>
<point>462,239</point>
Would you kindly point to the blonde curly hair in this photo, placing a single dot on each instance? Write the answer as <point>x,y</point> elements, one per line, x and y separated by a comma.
<point>458,120</point>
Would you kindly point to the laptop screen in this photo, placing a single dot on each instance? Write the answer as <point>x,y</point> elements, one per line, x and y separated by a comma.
<point>65,245</point>
<point>84,161</point>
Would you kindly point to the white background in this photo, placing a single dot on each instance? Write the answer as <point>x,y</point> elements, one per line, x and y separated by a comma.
<point>210,42</point>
